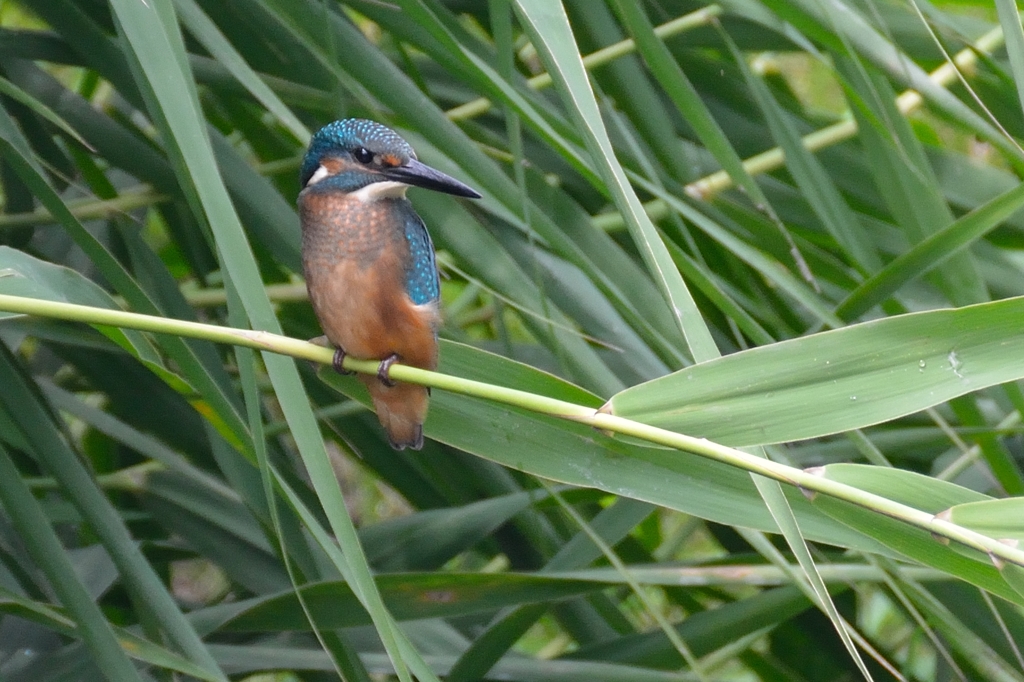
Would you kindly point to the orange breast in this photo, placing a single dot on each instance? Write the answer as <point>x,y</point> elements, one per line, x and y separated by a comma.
<point>356,281</point>
<point>365,311</point>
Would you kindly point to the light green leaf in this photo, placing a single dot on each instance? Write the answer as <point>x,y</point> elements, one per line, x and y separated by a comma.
<point>926,494</point>
<point>837,380</point>
<point>23,275</point>
<point>999,519</point>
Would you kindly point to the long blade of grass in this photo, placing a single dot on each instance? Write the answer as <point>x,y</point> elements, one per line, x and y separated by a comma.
<point>162,74</point>
<point>931,252</point>
<point>825,21</point>
<point>1009,19</point>
<point>551,34</point>
<point>204,30</point>
<point>810,175</point>
<point>42,543</point>
<point>139,576</point>
<point>905,179</point>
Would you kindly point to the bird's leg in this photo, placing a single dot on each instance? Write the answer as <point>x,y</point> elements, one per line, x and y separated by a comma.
<point>339,355</point>
<point>384,367</point>
<point>338,362</point>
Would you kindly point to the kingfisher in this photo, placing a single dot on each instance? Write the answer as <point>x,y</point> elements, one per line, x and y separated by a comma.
<point>369,262</point>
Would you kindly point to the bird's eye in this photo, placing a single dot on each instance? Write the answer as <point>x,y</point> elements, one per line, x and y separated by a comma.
<point>363,155</point>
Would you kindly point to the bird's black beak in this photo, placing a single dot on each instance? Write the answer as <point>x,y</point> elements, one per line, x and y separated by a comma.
<point>421,175</point>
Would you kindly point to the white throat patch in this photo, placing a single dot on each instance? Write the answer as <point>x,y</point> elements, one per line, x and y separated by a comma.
<point>320,173</point>
<point>386,189</point>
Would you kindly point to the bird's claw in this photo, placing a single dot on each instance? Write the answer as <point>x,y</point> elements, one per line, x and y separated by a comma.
<point>384,367</point>
<point>338,362</point>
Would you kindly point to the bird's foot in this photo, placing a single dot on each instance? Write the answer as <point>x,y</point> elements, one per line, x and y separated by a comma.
<point>384,367</point>
<point>324,342</point>
<point>338,362</point>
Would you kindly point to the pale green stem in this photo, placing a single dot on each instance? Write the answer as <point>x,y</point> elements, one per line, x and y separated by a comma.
<point>907,102</point>
<point>278,293</point>
<point>88,209</point>
<point>605,55</point>
<point>286,165</point>
<point>93,209</point>
<point>132,479</point>
<point>810,481</point>
<point>973,454</point>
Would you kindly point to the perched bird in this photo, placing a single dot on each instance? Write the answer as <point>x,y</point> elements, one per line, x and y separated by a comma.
<point>369,262</point>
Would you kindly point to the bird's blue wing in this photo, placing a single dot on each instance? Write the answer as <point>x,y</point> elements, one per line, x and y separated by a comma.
<point>421,280</point>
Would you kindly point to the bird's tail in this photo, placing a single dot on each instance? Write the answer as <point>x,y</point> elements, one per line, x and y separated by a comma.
<point>401,409</point>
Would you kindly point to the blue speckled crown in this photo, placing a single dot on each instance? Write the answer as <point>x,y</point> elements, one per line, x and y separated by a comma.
<point>350,134</point>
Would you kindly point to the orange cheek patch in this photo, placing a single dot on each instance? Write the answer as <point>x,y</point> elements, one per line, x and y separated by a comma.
<point>390,160</point>
<point>332,164</point>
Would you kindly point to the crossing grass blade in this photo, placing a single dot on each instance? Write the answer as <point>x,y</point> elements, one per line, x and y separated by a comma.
<point>163,76</point>
<point>207,32</point>
<point>1009,19</point>
<point>46,549</point>
<point>931,252</point>
<point>908,184</point>
<point>552,36</point>
<point>44,438</point>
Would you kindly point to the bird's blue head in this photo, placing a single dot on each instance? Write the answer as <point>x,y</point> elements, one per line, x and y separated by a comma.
<point>356,154</point>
